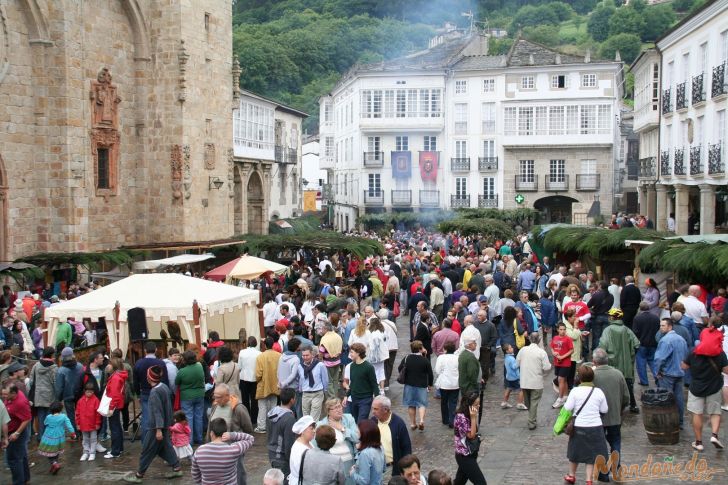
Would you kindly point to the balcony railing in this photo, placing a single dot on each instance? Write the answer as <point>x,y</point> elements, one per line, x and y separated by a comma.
<point>587,181</point>
<point>488,201</point>
<point>457,201</point>
<point>667,101</point>
<point>647,168</point>
<point>279,154</point>
<point>696,160</point>
<point>460,164</point>
<point>402,197</point>
<point>429,198</point>
<point>681,101</point>
<point>291,155</point>
<point>665,167</point>
<point>488,164</point>
<point>679,163</point>
<point>373,159</point>
<point>698,89</point>
<point>374,197</point>
<point>719,85</point>
<point>526,183</point>
<point>556,182</point>
<point>715,159</point>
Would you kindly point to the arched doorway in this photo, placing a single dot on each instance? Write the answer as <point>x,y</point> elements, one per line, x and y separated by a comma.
<point>555,209</point>
<point>256,220</point>
<point>238,201</point>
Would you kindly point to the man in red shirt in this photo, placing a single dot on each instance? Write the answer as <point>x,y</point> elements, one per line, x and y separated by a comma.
<point>562,347</point>
<point>18,408</point>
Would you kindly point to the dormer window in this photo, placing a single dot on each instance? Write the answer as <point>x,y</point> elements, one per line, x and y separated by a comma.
<point>527,82</point>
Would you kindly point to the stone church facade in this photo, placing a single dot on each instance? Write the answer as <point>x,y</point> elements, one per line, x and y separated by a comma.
<point>115,124</point>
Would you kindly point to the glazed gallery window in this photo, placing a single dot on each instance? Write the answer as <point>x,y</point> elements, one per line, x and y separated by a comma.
<point>401,103</point>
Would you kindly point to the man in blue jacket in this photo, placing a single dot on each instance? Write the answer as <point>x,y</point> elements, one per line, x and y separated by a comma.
<point>671,351</point>
<point>395,437</point>
<point>68,378</point>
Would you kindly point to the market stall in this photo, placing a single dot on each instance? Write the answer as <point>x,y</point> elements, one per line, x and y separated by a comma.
<point>244,268</point>
<point>198,306</point>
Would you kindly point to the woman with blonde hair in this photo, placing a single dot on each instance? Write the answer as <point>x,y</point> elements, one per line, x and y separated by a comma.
<point>360,334</point>
<point>378,351</point>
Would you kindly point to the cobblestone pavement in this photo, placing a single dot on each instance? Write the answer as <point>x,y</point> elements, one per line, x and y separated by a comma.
<point>511,454</point>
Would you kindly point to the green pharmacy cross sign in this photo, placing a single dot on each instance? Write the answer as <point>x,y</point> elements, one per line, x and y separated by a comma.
<point>520,199</point>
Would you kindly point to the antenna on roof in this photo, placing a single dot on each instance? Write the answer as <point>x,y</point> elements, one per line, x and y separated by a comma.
<point>469,14</point>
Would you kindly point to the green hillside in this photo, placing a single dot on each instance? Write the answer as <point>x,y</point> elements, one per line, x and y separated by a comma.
<point>296,50</point>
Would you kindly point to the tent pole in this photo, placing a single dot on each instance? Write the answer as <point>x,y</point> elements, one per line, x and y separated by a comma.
<point>196,320</point>
<point>116,330</point>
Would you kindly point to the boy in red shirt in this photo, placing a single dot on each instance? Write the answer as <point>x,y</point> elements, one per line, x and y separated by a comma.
<point>562,347</point>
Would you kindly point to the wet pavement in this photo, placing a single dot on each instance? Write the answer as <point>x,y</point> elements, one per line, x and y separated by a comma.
<point>511,454</point>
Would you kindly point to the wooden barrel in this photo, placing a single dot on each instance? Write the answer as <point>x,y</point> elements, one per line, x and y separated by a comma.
<point>661,421</point>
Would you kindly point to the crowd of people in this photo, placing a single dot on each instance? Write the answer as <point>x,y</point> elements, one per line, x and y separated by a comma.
<point>316,387</point>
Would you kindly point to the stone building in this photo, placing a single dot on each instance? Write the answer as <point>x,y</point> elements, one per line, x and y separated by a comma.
<point>115,123</point>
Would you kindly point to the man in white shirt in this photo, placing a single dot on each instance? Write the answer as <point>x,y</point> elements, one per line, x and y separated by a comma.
<point>558,276</point>
<point>491,292</point>
<point>534,363</point>
<point>269,312</point>
<point>324,263</point>
<point>695,308</point>
<point>248,382</point>
<point>470,332</point>
<point>390,337</point>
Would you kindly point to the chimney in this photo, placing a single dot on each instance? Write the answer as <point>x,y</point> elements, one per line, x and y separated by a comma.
<point>531,61</point>
<point>558,59</point>
<point>617,57</point>
<point>587,56</point>
<point>477,46</point>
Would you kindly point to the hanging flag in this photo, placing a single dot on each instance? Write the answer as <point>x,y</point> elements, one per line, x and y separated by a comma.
<point>428,165</point>
<point>401,165</point>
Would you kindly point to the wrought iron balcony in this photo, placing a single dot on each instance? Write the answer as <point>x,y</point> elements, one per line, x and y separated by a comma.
<point>698,89</point>
<point>460,164</point>
<point>402,197</point>
<point>719,85</point>
<point>488,164</point>
<point>373,159</point>
<point>681,101</point>
<point>715,159</point>
<point>667,101</point>
<point>279,153</point>
<point>696,160</point>
<point>488,201</point>
<point>679,163</point>
<point>647,168</point>
<point>526,183</point>
<point>429,198</point>
<point>665,167</point>
<point>556,182</point>
<point>588,182</point>
<point>457,201</point>
<point>374,197</point>
<point>291,155</point>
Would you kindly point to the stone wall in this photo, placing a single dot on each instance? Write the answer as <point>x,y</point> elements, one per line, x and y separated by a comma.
<point>170,64</point>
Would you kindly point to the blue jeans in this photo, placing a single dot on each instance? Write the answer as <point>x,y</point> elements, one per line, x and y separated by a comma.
<point>70,407</point>
<point>448,403</point>
<point>41,413</point>
<point>117,434</point>
<point>194,409</point>
<point>597,326</point>
<point>17,457</point>
<point>645,356</point>
<point>674,384</point>
<point>360,408</point>
<point>613,434</point>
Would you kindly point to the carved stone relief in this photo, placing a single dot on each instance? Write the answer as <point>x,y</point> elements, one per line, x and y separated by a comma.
<point>231,174</point>
<point>187,172</point>
<point>176,159</point>
<point>104,133</point>
<point>209,156</point>
<point>182,57</point>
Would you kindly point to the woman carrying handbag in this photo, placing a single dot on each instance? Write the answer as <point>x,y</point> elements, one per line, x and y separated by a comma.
<point>467,441</point>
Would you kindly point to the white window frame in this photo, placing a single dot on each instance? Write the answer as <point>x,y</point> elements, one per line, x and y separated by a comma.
<point>429,143</point>
<point>489,149</point>
<point>401,143</point>
<point>528,82</point>
<point>557,120</point>
<point>557,171</point>
<point>375,184</point>
<point>461,118</point>
<point>488,111</point>
<point>541,119</point>
<point>374,144</point>
<point>510,120</point>
<point>525,120</point>
<point>589,80</point>
<point>526,171</point>
<point>461,187</point>
<point>461,149</point>
<point>489,85</point>
<point>461,86</point>
<point>489,188</point>
<point>555,81</point>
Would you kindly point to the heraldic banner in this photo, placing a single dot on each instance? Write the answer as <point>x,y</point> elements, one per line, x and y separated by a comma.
<point>428,165</point>
<point>401,165</point>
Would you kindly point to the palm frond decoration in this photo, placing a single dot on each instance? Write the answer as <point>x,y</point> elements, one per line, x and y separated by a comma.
<point>594,242</point>
<point>489,228</point>
<point>272,244</point>
<point>691,261</point>
<point>92,260</point>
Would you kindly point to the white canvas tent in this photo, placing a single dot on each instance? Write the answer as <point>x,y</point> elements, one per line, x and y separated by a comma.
<point>164,296</point>
<point>179,260</point>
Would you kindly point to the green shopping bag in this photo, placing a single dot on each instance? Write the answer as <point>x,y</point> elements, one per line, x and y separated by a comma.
<point>562,421</point>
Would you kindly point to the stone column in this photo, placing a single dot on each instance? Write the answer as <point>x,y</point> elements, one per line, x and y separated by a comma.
<point>651,201</point>
<point>707,209</point>
<point>642,192</point>
<point>661,207</point>
<point>682,209</point>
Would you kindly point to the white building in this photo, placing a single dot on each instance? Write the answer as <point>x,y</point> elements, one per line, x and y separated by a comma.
<point>314,179</point>
<point>689,179</point>
<point>267,168</point>
<point>454,127</point>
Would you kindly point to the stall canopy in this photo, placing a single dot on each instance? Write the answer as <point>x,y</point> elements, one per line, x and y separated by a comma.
<point>180,260</point>
<point>244,268</point>
<point>164,297</point>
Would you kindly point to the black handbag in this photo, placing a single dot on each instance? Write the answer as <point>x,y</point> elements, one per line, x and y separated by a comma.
<point>473,445</point>
<point>402,372</point>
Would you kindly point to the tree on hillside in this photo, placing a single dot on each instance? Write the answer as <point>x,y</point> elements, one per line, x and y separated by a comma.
<point>562,10</point>
<point>626,20</point>
<point>657,20</point>
<point>533,16</point>
<point>598,25</point>
<point>628,45</point>
<point>583,7</point>
<point>547,35</point>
